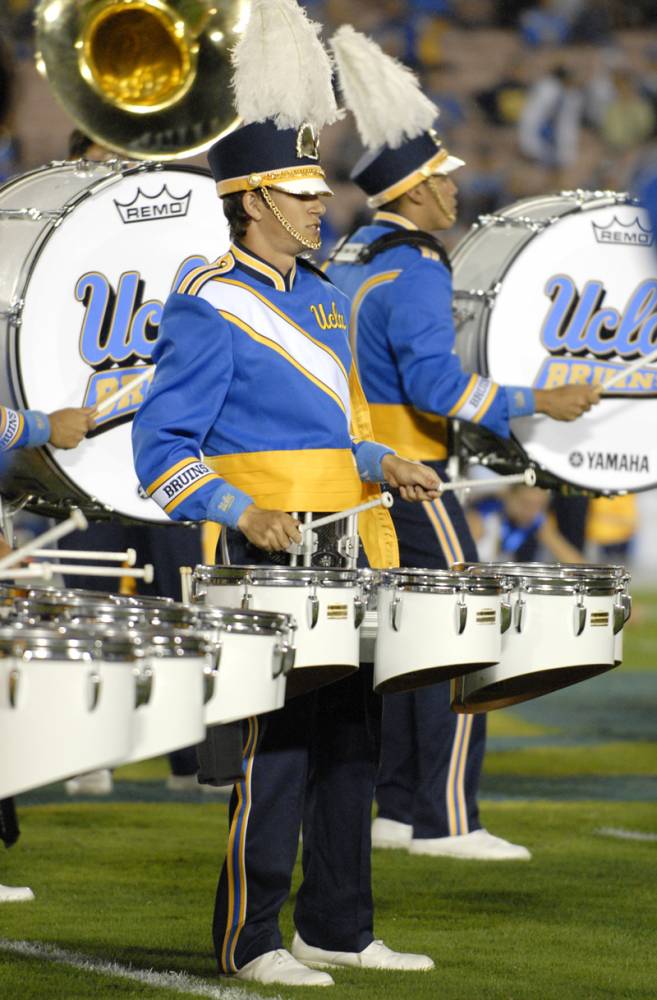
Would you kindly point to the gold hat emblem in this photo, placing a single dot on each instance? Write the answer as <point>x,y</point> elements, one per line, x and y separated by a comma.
<point>307,142</point>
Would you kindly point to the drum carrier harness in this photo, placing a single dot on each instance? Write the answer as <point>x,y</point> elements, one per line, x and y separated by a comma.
<point>346,252</point>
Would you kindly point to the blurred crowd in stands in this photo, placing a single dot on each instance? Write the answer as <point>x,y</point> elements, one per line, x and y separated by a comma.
<point>535,95</point>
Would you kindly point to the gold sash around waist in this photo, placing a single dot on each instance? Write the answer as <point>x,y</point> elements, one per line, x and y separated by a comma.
<point>320,479</point>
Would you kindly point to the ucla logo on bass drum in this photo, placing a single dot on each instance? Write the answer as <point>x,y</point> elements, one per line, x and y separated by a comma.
<point>117,334</point>
<point>589,340</point>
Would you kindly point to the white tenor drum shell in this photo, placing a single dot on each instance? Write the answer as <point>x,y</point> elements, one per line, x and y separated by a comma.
<point>434,625</point>
<point>254,652</point>
<point>562,632</point>
<point>172,715</point>
<point>63,710</point>
<point>324,603</point>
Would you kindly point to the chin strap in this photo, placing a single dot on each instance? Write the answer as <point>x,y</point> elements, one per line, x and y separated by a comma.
<point>433,187</point>
<point>287,226</point>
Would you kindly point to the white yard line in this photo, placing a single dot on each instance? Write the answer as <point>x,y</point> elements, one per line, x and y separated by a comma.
<point>620,834</point>
<point>178,982</point>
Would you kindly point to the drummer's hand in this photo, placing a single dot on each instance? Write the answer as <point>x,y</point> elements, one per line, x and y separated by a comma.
<point>69,426</point>
<point>269,529</point>
<point>566,402</point>
<point>414,480</point>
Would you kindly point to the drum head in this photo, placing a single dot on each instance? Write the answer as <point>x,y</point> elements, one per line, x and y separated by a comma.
<point>577,303</point>
<point>93,304</point>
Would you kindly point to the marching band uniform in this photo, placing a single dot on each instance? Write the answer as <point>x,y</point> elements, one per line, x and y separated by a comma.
<point>402,329</point>
<point>24,429</point>
<point>254,371</point>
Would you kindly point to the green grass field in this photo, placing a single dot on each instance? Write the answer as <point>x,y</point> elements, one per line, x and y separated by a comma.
<point>131,880</point>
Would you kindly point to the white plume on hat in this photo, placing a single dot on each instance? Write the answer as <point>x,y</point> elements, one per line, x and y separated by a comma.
<point>384,96</point>
<point>281,69</point>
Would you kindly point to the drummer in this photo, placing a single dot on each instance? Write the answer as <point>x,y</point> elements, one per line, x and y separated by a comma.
<point>398,276</point>
<point>30,429</point>
<point>254,371</point>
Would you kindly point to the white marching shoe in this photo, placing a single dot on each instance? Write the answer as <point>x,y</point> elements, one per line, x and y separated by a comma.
<point>377,955</point>
<point>391,833</point>
<point>15,894</point>
<point>92,783</point>
<point>280,967</point>
<point>480,845</point>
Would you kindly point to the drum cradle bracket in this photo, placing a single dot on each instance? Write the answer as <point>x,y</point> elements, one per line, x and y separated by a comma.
<point>299,548</point>
<point>348,546</point>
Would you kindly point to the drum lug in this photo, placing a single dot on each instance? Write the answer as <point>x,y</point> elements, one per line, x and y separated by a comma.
<point>14,314</point>
<point>210,674</point>
<point>396,612</point>
<point>360,604</point>
<point>289,654</point>
<point>245,603</point>
<point>94,685</point>
<point>619,617</point>
<point>312,610</point>
<point>579,617</point>
<point>143,686</point>
<point>461,615</point>
<point>277,661</point>
<point>519,614</point>
<point>14,680</point>
<point>627,606</point>
<point>506,614</point>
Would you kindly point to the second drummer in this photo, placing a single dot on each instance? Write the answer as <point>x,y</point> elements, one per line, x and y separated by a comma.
<point>398,276</point>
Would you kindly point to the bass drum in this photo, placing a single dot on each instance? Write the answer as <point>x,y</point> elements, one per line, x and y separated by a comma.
<point>561,290</point>
<point>94,250</point>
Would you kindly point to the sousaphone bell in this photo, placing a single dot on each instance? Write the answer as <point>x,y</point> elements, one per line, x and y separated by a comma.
<point>150,79</point>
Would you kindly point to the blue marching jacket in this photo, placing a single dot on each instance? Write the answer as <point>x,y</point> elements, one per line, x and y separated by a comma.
<point>22,428</point>
<point>254,396</point>
<point>403,338</point>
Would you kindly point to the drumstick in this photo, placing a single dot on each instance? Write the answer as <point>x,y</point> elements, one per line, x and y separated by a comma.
<point>36,571</point>
<point>77,520</point>
<point>109,401</point>
<point>385,500</point>
<point>129,557</point>
<point>634,367</point>
<point>186,584</point>
<point>528,478</point>
<point>145,574</point>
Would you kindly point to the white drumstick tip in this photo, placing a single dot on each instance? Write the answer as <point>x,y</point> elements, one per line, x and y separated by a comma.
<point>79,519</point>
<point>530,477</point>
<point>148,573</point>
<point>131,556</point>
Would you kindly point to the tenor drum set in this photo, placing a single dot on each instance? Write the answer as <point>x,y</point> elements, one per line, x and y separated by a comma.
<point>551,291</point>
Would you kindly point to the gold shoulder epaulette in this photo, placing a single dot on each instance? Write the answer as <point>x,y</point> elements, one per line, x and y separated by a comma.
<point>195,280</point>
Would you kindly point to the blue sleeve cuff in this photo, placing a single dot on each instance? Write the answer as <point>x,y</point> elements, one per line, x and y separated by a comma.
<point>227,504</point>
<point>519,400</point>
<point>368,456</point>
<point>37,426</point>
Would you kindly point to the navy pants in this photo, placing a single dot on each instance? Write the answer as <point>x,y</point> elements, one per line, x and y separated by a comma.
<point>431,758</point>
<point>311,764</point>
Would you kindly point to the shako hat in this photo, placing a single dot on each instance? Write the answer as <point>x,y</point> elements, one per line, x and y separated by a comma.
<point>395,120</point>
<point>284,96</point>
